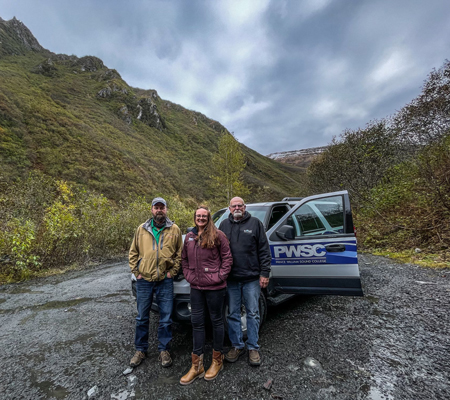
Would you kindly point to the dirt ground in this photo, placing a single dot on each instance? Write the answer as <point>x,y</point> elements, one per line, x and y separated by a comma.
<point>71,337</point>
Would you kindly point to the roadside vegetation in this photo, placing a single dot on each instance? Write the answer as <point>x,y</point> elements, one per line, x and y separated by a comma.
<point>48,224</point>
<point>397,171</point>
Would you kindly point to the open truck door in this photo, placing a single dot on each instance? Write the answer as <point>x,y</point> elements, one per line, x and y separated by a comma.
<point>314,248</point>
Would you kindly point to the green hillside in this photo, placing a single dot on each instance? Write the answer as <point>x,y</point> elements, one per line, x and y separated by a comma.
<point>75,119</point>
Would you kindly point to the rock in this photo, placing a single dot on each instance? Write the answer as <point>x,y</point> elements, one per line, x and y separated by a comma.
<point>268,384</point>
<point>417,250</point>
<point>47,68</point>
<point>105,92</point>
<point>125,114</point>
<point>109,74</point>
<point>128,371</point>
<point>132,380</point>
<point>312,364</point>
<point>148,113</point>
<point>93,391</point>
<point>89,63</point>
<point>293,368</point>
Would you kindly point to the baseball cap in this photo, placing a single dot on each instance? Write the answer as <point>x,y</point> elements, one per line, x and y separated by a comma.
<point>157,200</point>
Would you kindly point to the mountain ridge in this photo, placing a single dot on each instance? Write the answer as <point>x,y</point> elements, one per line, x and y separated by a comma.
<point>76,119</point>
<point>301,158</point>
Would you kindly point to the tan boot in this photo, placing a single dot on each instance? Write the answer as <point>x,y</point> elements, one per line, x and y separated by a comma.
<point>216,366</point>
<point>197,370</point>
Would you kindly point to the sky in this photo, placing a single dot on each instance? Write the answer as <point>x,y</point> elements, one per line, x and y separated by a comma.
<point>281,75</point>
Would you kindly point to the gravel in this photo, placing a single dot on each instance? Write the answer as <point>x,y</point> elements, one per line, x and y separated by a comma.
<point>71,337</point>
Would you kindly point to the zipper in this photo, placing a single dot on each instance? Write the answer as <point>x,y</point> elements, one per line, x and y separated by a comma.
<point>157,264</point>
<point>197,269</point>
<point>161,241</point>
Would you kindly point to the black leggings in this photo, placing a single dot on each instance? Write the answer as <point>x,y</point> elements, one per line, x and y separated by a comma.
<point>214,302</point>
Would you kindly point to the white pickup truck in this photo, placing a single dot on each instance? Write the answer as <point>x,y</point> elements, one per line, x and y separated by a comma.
<point>313,245</point>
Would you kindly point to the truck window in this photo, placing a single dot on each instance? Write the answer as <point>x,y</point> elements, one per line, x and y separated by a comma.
<point>319,217</point>
<point>277,213</point>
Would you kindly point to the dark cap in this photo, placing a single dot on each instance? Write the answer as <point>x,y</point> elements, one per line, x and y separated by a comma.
<point>157,200</point>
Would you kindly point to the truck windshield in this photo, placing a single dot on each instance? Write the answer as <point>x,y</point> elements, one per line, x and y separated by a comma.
<point>259,212</point>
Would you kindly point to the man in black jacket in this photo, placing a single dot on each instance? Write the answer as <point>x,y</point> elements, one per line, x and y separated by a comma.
<point>249,273</point>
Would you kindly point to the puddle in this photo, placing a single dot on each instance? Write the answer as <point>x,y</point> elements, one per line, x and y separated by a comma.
<point>49,389</point>
<point>21,290</point>
<point>2,301</point>
<point>168,380</point>
<point>51,305</point>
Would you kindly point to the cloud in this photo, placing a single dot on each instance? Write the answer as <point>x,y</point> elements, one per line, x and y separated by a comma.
<point>280,74</point>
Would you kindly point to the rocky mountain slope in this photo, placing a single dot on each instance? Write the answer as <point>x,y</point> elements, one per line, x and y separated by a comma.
<point>300,158</point>
<point>76,119</point>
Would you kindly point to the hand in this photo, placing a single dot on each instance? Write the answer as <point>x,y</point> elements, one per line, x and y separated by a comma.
<point>139,276</point>
<point>169,276</point>
<point>263,282</point>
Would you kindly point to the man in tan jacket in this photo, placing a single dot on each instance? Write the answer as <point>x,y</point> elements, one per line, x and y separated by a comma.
<point>154,258</point>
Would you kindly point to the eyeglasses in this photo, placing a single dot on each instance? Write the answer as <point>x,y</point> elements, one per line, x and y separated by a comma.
<point>201,216</point>
<point>237,206</point>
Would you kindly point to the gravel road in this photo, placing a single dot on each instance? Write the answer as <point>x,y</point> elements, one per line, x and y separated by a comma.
<point>71,337</point>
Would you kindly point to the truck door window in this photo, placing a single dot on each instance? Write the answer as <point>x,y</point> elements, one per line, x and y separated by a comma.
<point>277,213</point>
<point>319,217</point>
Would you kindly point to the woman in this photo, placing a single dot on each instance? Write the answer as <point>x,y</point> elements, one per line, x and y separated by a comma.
<point>206,261</point>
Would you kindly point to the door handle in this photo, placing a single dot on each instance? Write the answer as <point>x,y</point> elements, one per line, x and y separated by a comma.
<point>335,248</point>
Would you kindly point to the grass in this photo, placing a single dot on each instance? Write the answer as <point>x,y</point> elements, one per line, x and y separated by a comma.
<point>430,260</point>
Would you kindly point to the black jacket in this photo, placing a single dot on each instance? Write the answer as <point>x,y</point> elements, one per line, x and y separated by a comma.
<point>249,247</point>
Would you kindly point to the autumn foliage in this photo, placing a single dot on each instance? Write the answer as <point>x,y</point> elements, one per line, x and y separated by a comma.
<point>397,171</point>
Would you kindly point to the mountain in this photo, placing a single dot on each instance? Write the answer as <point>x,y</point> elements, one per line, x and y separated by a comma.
<point>78,120</point>
<point>300,158</point>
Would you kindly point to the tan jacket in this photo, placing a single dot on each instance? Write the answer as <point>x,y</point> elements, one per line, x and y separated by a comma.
<point>153,260</point>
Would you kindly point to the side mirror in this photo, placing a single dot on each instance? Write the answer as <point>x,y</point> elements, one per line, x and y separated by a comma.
<point>286,232</point>
<point>189,229</point>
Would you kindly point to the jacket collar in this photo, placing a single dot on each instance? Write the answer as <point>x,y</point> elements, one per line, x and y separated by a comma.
<point>148,224</point>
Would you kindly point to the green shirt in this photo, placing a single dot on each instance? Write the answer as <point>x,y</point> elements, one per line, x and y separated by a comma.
<point>157,232</point>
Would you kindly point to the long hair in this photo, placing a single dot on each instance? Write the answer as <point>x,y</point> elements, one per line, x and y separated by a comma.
<point>209,237</point>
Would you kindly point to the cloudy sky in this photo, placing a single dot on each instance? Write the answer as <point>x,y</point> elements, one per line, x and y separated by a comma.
<point>282,75</point>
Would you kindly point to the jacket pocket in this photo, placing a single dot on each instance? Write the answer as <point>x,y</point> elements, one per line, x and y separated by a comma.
<point>138,263</point>
<point>212,279</point>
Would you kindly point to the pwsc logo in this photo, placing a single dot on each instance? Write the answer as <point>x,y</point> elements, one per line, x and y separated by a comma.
<point>299,251</point>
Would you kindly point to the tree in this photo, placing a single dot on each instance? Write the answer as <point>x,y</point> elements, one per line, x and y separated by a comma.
<point>358,161</point>
<point>228,164</point>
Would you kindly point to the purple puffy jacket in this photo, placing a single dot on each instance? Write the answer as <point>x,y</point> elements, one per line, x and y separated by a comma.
<point>203,268</point>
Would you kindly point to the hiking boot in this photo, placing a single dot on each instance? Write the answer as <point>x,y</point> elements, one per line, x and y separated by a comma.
<point>254,358</point>
<point>234,354</point>
<point>165,359</point>
<point>137,358</point>
<point>197,370</point>
<point>216,366</point>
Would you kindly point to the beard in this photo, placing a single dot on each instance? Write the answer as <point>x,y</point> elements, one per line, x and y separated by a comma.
<point>159,217</point>
<point>237,214</point>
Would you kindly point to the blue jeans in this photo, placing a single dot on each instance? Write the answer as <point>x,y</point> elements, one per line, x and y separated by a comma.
<point>164,298</point>
<point>247,293</point>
